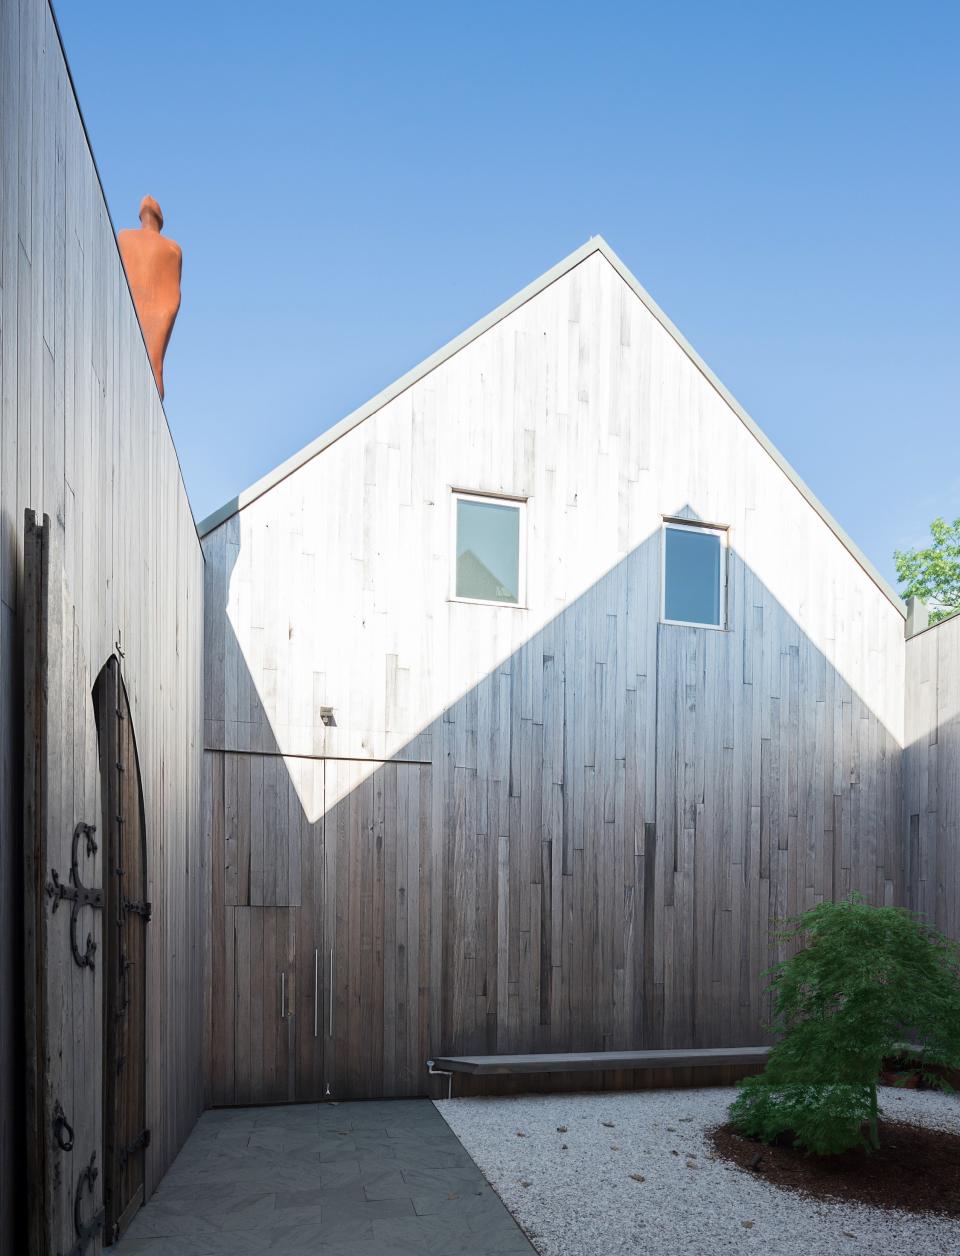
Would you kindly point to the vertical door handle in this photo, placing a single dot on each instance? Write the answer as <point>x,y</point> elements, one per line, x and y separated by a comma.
<point>330,1021</point>
<point>283,995</point>
<point>316,992</point>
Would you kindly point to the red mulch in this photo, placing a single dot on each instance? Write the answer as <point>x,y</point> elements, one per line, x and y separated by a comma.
<point>916,1169</point>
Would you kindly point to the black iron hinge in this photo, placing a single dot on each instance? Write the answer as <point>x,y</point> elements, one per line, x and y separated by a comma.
<point>77,894</point>
<point>141,1140</point>
<point>86,1231</point>
<point>62,1129</point>
<point>142,909</point>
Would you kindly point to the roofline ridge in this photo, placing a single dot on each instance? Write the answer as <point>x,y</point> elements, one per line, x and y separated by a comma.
<point>595,244</point>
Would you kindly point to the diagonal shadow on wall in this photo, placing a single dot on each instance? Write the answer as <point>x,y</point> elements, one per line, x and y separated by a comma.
<point>571,855</point>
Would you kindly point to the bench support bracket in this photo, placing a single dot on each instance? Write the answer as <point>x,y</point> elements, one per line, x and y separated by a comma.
<point>441,1072</point>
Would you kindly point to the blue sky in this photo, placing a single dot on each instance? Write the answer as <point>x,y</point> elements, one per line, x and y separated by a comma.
<point>352,185</point>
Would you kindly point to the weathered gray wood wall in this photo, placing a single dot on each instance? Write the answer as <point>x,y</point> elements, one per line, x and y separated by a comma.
<point>932,773</point>
<point>83,438</point>
<point>619,810</point>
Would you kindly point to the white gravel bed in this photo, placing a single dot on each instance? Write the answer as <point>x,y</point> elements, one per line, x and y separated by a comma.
<point>583,1201</point>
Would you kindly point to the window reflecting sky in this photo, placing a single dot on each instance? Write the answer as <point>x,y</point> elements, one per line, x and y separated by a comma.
<point>488,551</point>
<point>692,577</point>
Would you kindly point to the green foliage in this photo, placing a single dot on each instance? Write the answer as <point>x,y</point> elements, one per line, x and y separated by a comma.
<point>824,1119</point>
<point>933,574</point>
<point>869,979</point>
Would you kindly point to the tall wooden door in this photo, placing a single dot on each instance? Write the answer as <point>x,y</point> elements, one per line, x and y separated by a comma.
<point>313,969</point>
<point>63,913</point>
<point>264,815</point>
<point>377,896</point>
<point>267,1007</point>
<point>127,913</point>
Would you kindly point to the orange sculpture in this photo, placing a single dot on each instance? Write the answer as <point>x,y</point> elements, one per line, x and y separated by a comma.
<point>153,265</point>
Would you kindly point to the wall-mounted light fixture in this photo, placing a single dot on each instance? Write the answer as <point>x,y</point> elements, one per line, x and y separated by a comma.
<point>327,717</point>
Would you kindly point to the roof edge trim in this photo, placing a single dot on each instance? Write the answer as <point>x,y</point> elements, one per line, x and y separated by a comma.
<point>413,376</point>
<point>596,244</point>
<point>755,430</point>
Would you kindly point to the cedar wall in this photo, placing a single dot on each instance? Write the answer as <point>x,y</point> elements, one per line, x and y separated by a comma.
<point>84,439</point>
<point>560,826</point>
<point>932,773</point>
<point>609,814</point>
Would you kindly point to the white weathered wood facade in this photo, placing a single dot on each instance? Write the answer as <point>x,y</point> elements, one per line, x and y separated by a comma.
<point>83,439</point>
<point>618,810</point>
<point>560,826</point>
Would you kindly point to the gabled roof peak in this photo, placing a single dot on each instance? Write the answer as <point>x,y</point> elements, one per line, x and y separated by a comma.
<point>596,244</point>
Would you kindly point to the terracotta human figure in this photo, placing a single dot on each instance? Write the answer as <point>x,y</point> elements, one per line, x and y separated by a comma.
<point>153,265</point>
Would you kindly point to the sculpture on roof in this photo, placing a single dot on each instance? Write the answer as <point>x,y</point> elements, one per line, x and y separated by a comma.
<point>153,264</point>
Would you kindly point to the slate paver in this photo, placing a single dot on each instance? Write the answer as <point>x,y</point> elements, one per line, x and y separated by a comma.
<point>380,1178</point>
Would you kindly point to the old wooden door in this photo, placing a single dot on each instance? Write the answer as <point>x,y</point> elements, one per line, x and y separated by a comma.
<point>63,914</point>
<point>126,915</point>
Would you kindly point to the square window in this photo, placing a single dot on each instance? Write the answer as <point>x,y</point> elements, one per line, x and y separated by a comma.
<point>694,575</point>
<point>488,557</point>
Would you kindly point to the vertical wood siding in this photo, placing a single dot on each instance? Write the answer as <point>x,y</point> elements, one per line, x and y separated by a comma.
<point>83,438</point>
<point>620,811</point>
<point>932,774</point>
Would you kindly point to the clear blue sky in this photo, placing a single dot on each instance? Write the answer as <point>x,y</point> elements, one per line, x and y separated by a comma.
<point>354,184</point>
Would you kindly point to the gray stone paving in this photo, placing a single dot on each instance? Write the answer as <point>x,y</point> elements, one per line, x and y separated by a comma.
<point>350,1179</point>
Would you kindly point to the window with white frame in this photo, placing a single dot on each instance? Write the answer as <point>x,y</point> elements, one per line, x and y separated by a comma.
<point>694,575</point>
<point>488,549</point>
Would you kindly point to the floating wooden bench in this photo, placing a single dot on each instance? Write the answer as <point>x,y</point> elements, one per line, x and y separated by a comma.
<point>592,1061</point>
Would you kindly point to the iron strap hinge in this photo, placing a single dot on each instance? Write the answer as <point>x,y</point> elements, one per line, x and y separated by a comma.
<point>77,894</point>
<point>142,909</point>
<point>62,1129</point>
<point>86,1231</point>
<point>141,1140</point>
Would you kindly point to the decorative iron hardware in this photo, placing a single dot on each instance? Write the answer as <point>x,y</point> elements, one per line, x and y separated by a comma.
<point>142,1140</point>
<point>78,894</point>
<point>142,909</point>
<point>86,1231</point>
<point>62,1129</point>
<point>123,1001</point>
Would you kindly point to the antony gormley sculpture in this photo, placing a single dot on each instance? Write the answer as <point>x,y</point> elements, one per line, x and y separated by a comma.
<point>153,265</point>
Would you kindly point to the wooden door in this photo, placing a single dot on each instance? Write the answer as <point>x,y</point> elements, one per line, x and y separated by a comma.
<point>313,968</point>
<point>63,914</point>
<point>267,1004</point>
<point>377,859</point>
<point>126,916</point>
<point>264,817</point>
